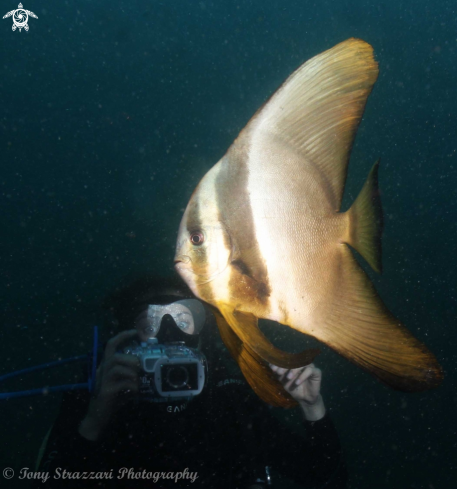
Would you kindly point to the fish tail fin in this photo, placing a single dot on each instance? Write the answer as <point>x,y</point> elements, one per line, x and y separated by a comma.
<point>365,221</point>
<point>359,326</point>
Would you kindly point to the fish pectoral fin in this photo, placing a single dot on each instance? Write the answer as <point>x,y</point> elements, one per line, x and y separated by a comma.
<point>245,326</point>
<point>263,380</point>
<point>255,370</point>
<point>358,326</point>
<point>230,339</point>
<point>365,222</point>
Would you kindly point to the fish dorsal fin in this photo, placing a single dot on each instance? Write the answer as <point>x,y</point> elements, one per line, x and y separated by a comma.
<point>317,110</point>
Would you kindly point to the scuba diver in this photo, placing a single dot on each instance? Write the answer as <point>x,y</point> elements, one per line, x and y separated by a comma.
<point>172,409</point>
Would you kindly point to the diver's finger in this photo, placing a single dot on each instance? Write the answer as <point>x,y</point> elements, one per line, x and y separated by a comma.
<point>124,387</point>
<point>294,373</point>
<point>313,374</point>
<point>278,370</point>
<point>114,343</point>
<point>297,371</point>
<point>304,375</point>
<point>130,361</point>
<point>120,372</point>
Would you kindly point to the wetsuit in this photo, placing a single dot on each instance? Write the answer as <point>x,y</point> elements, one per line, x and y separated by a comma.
<point>226,436</point>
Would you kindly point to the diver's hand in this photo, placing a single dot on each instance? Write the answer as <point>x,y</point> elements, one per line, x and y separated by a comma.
<point>116,383</point>
<point>304,385</point>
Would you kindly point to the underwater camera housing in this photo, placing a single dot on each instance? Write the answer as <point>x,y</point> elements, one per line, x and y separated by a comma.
<point>171,370</point>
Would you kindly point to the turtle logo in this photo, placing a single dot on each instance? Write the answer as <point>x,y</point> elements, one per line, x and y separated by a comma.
<point>20,17</point>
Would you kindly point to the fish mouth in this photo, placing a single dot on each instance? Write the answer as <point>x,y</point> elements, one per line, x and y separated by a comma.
<point>182,259</point>
<point>182,263</point>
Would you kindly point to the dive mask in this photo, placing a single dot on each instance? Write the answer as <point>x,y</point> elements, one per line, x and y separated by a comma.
<point>188,315</point>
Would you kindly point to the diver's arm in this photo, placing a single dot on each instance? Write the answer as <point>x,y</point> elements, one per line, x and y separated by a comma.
<point>116,383</point>
<point>321,461</point>
<point>313,411</point>
<point>77,441</point>
<point>65,448</point>
<point>312,459</point>
<point>326,455</point>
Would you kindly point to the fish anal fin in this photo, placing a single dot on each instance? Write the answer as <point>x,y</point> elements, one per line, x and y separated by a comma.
<point>358,326</point>
<point>256,372</point>
<point>365,221</point>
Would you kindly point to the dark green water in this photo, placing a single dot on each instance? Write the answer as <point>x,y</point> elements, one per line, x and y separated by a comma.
<point>110,114</point>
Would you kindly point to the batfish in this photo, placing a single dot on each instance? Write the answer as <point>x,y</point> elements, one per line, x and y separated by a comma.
<point>263,235</point>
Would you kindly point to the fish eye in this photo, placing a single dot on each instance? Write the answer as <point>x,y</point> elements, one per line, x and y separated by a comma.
<point>197,238</point>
